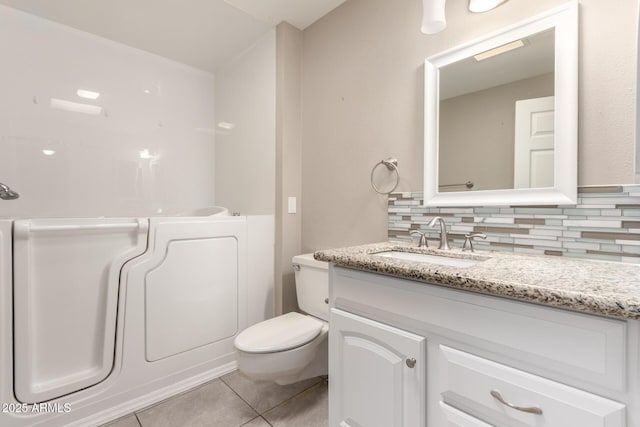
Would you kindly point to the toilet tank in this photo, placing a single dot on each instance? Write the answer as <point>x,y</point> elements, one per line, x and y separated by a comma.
<point>312,285</point>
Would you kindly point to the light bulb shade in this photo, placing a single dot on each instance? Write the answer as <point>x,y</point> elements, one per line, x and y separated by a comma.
<point>484,5</point>
<point>433,19</point>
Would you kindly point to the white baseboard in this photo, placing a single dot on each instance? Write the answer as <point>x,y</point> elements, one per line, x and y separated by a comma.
<point>149,399</point>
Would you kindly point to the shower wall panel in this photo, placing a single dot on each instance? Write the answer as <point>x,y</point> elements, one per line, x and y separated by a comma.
<point>144,146</point>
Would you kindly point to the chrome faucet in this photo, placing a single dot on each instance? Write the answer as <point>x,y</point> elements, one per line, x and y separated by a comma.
<point>444,241</point>
<point>7,193</point>
<point>423,239</point>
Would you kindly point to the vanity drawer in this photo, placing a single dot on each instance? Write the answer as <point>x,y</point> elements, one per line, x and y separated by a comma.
<point>578,348</point>
<point>477,385</point>
<point>457,418</point>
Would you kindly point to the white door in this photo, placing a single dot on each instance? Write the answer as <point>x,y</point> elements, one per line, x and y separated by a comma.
<point>376,374</point>
<point>534,140</point>
<point>66,284</point>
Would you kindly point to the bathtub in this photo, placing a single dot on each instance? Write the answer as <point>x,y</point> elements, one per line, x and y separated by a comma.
<point>210,211</point>
<point>110,315</point>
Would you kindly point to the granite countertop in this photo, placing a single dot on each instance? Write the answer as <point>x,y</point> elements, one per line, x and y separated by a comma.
<point>595,287</point>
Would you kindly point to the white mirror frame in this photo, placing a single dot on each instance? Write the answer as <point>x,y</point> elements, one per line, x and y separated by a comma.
<point>565,21</point>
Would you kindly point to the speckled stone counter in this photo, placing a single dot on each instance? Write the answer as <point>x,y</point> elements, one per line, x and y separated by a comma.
<point>596,287</point>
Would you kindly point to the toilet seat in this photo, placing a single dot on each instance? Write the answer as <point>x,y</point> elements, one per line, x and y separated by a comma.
<point>280,333</point>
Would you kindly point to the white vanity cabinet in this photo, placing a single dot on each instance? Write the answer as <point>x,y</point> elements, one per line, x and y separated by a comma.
<point>377,371</point>
<point>480,360</point>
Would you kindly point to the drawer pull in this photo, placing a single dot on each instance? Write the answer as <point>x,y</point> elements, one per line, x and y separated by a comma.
<point>411,362</point>
<point>532,410</point>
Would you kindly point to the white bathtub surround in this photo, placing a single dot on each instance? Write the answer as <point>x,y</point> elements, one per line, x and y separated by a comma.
<point>133,328</point>
<point>261,292</point>
<point>140,148</point>
<point>245,133</point>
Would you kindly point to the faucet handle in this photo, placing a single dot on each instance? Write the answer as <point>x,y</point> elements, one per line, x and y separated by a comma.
<point>423,238</point>
<point>468,240</point>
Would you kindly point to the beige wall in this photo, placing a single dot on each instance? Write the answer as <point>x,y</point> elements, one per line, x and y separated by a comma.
<point>476,134</point>
<point>288,156</point>
<point>363,101</point>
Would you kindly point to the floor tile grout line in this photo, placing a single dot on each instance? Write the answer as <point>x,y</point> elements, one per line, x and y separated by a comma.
<point>221,379</point>
<point>241,398</point>
<point>253,419</point>
<point>293,397</point>
<point>273,407</point>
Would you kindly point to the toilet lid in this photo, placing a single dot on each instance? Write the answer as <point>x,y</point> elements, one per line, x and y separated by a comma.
<point>278,334</point>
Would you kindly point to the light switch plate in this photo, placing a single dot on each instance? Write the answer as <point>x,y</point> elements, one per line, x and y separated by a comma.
<point>292,205</point>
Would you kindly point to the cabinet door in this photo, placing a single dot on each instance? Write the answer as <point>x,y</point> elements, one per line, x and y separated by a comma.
<point>376,374</point>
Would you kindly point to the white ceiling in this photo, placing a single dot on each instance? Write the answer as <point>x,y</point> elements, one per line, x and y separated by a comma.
<point>299,13</point>
<point>201,33</point>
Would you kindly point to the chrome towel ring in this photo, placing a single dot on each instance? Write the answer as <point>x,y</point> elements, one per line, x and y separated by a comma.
<point>392,165</point>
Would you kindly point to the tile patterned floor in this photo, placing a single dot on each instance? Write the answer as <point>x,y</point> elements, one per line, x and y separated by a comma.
<point>233,401</point>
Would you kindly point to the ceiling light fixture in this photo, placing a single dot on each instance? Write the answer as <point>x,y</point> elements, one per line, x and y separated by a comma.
<point>433,19</point>
<point>479,6</point>
<point>499,50</point>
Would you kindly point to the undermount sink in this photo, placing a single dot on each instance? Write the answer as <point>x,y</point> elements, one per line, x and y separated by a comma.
<point>430,259</point>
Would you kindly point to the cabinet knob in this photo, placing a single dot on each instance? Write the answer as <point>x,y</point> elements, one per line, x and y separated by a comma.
<point>411,362</point>
<point>532,409</point>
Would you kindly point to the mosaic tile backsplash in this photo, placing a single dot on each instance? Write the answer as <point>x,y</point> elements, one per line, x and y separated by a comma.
<point>605,224</point>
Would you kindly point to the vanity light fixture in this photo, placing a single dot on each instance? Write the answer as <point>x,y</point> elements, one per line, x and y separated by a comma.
<point>433,19</point>
<point>499,50</point>
<point>47,152</point>
<point>479,6</point>
<point>88,94</point>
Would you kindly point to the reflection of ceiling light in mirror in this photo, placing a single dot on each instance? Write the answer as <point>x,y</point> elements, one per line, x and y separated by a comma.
<point>484,5</point>
<point>48,152</point>
<point>499,50</point>
<point>226,125</point>
<point>145,154</point>
<point>147,91</point>
<point>88,94</point>
<point>76,107</point>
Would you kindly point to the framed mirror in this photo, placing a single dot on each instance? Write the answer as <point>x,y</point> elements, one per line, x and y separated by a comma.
<point>501,116</point>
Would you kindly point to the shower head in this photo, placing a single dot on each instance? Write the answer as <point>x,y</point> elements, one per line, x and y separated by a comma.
<point>7,193</point>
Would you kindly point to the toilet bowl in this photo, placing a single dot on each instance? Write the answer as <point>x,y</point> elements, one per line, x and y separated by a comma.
<point>291,347</point>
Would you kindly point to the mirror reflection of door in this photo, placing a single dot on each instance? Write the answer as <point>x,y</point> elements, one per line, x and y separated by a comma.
<point>534,138</point>
<point>477,118</point>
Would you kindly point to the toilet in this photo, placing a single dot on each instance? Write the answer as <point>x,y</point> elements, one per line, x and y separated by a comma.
<point>291,347</point>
